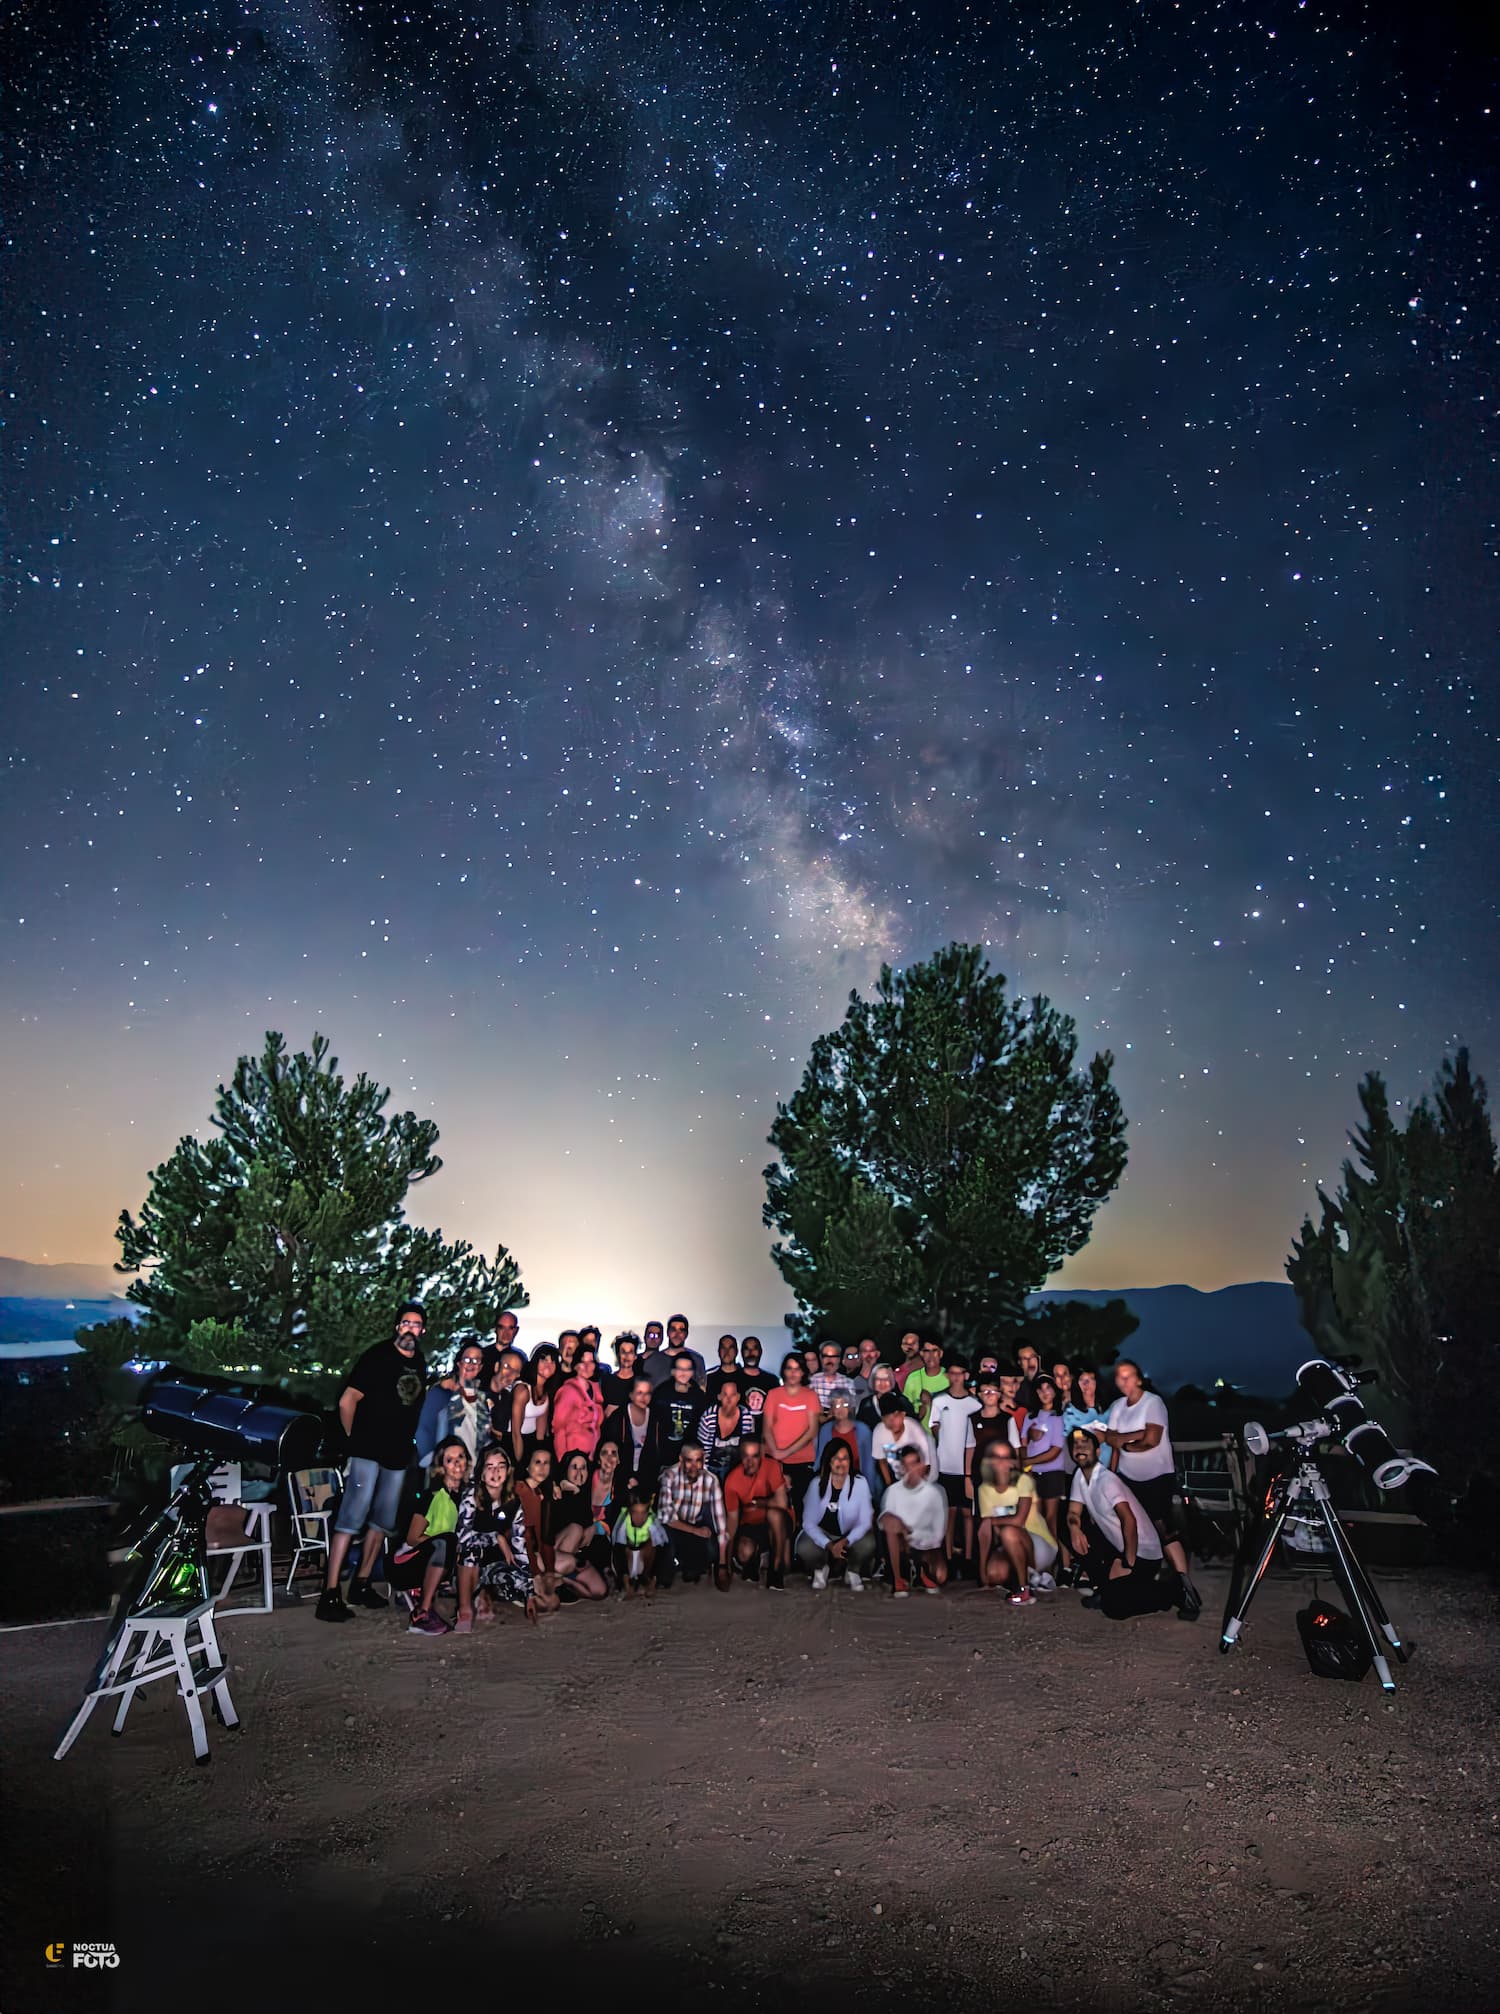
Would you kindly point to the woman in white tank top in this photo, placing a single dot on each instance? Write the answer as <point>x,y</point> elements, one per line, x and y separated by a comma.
<point>531,1417</point>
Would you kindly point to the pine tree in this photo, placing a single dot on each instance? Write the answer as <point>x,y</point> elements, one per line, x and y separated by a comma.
<point>279,1246</point>
<point>941,1156</point>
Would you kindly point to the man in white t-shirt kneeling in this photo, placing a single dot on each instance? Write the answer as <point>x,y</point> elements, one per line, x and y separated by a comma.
<point>1110,1532</point>
<point>1136,1429</point>
<point>914,1524</point>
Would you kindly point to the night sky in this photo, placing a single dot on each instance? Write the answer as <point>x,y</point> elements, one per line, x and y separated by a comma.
<point>545,542</point>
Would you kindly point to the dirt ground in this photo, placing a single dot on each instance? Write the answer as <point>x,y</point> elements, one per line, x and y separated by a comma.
<point>768,1802</point>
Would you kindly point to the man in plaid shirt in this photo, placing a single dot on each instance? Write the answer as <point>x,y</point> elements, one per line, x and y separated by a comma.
<point>690,1503</point>
<point>828,1378</point>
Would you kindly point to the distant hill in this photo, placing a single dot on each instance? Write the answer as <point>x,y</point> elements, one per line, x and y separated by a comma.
<point>1248,1335</point>
<point>33,1320</point>
<point>20,1279</point>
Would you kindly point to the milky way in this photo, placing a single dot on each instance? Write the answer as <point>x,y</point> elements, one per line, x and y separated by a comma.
<point>546,542</point>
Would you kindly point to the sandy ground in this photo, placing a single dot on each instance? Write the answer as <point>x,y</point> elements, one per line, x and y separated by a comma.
<point>752,1801</point>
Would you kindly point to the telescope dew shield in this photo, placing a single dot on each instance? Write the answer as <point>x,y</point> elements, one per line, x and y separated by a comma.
<point>1324,1383</point>
<point>240,1423</point>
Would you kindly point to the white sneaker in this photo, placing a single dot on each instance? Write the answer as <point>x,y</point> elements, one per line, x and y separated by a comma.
<point>820,1579</point>
<point>853,1582</point>
<point>1043,1583</point>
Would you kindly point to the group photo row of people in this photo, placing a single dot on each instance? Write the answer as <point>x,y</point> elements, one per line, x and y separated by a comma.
<point>534,1479</point>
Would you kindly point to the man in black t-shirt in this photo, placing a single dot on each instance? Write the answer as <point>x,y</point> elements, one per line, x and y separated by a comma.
<point>378,1407</point>
<point>679,1406</point>
<point>754,1382</point>
<point>728,1366</point>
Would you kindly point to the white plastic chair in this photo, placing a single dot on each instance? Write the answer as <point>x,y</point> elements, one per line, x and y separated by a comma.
<point>224,1487</point>
<point>314,1494</point>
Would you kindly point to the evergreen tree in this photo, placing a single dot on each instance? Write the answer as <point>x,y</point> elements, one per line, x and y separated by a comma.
<point>941,1156</point>
<point>1081,1331</point>
<point>279,1247</point>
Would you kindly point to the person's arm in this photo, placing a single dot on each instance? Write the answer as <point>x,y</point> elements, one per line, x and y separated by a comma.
<point>517,1415</point>
<point>349,1400</point>
<point>1131,1535</point>
<point>416,1531</point>
<point>808,1438</point>
<point>1077,1538</point>
<point>717,1518</point>
<point>731,1520</point>
<point>862,1504</point>
<point>708,1428</point>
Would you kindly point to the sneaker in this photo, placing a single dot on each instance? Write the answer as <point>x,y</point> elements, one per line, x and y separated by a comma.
<point>853,1582</point>
<point>363,1595</point>
<point>1025,1599</point>
<point>1043,1583</point>
<point>775,1579</point>
<point>464,1626</point>
<point>332,1607</point>
<point>425,1623</point>
<point>1090,1601</point>
<point>820,1579</point>
<point>929,1585</point>
<point>1191,1605</point>
<point>900,1589</point>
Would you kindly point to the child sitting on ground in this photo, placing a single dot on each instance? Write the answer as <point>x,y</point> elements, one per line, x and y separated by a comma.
<point>637,1534</point>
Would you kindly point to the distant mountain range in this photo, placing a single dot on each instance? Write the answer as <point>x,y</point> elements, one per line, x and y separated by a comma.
<point>1248,1335</point>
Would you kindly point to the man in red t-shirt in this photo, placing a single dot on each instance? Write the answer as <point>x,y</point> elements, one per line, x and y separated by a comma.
<point>759,1514</point>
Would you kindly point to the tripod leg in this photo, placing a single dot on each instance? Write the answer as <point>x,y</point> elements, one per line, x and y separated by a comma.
<point>1372,1601</point>
<point>1352,1579</point>
<point>1235,1617</point>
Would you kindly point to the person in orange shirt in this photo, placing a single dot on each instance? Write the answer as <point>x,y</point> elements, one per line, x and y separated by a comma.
<point>759,1515</point>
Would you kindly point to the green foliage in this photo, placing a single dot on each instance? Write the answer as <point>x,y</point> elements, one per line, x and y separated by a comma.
<point>941,1156</point>
<point>1402,1269</point>
<point>1080,1331</point>
<point>110,1416</point>
<point>278,1247</point>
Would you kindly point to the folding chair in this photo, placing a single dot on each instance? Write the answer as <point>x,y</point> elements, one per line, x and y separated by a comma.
<point>224,1486</point>
<point>313,1495</point>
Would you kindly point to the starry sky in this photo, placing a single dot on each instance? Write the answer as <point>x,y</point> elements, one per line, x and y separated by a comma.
<point>547,541</point>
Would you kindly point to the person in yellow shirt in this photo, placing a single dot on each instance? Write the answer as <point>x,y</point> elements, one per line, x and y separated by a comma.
<point>1015,1546</point>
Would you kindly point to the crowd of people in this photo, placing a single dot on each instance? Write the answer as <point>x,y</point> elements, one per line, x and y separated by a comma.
<point>531,1480</point>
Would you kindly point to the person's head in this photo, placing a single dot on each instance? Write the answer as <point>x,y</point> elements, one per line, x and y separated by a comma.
<point>911,1342</point>
<point>793,1370</point>
<point>1084,1449</point>
<point>851,1361</point>
<point>891,1410</point>
<point>868,1354</point>
<point>958,1376</point>
<point>641,1389</point>
<point>653,1335</point>
<point>411,1324</point>
<point>546,1367</point>
<point>589,1334</point>
<point>586,1362</point>
<point>728,1350</point>
<point>567,1347</point>
<point>1048,1399</point>
<point>677,1331</point>
<point>751,1353</point>
<point>507,1328</point>
<point>837,1465</point>
<point>1062,1377</point>
<point>450,1465</point>
<point>829,1356</point>
<point>729,1392</point>
<point>932,1356</point>
<point>508,1367</point>
<point>573,1471</point>
<point>988,1361</point>
<point>607,1460</point>
<point>538,1466</point>
<point>913,1465</point>
<point>841,1405</point>
<point>751,1454</point>
<point>469,1364</point>
<point>690,1461</point>
<point>1086,1383</point>
<point>639,1501</point>
<point>989,1392</point>
<point>1001,1464</point>
<point>682,1370</point>
<point>494,1482</point>
<point>1010,1387</point>
<point>1029,1361</point>
<point>1130,1379</point>
<point>882,1383</point>
<point>627,1349</point>
<point>811,1361</point>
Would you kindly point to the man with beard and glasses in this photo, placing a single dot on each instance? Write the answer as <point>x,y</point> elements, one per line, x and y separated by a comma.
<point>378,1409</point>
<point>755,1384</point>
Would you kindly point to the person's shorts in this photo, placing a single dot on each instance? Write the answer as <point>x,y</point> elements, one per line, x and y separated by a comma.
<point>954,1491</point>
<point>1157,1498</point>
<point>1049,1486</point>
<point>371,1499</point>
<point>757,1534</point>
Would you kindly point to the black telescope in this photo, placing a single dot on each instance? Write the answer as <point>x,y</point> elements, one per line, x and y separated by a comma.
<point>232,1422</point>
<point>1334,1390</point>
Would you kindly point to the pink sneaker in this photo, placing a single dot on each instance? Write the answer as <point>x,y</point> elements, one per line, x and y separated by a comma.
<point>1025,1599</point>
<point>425,1623</point>
<point>464,1626</point>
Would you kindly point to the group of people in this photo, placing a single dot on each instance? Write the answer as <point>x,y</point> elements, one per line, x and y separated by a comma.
<point>537,1480</point>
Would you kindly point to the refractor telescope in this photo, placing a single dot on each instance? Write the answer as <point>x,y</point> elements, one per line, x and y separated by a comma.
<point>1334,1389</point>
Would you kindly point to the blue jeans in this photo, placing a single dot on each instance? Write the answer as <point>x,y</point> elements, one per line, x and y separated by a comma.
<point>372,1497</point>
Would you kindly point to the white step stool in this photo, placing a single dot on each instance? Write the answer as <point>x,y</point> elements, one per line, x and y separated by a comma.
<point>158,1642</point>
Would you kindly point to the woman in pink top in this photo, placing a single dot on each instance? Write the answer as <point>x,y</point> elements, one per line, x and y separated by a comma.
<point>578,1410</point>
<point>790,1420</point>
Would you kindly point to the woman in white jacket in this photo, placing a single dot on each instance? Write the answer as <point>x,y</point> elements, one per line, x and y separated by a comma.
<point>838,1521</point>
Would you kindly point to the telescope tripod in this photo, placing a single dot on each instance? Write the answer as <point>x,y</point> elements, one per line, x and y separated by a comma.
<point>1302,1493</point>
